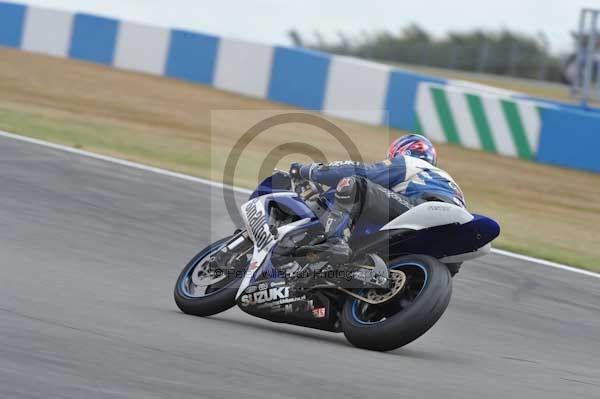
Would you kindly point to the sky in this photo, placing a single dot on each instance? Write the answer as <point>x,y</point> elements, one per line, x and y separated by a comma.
<point>268,21</point>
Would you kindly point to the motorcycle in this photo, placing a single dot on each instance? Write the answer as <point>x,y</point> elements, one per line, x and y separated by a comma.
<point>394,289</point>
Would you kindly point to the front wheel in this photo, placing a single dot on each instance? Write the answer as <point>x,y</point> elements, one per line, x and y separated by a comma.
<point>408,315</point>
<point>202,291</point>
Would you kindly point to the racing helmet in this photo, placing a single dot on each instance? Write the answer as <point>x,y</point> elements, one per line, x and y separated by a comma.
<point>414,145</point>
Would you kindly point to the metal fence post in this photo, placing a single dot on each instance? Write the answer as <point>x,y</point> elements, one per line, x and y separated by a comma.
<point>483,56</point>
<point>589,57</point>
<point>578,54</point>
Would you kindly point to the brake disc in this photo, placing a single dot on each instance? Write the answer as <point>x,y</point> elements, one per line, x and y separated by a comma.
<point>397,281</point>
<point>202,277</point>
<point>377,296</point>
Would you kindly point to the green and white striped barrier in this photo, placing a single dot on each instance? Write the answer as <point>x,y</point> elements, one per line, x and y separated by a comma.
<point>472,118</point>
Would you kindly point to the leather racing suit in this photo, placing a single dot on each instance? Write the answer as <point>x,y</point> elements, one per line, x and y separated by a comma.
<point>379,191</point>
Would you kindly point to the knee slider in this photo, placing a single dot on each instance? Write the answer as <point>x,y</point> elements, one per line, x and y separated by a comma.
<point>346,189</point>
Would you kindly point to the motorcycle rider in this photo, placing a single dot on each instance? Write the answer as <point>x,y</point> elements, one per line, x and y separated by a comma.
<point>377,191</point>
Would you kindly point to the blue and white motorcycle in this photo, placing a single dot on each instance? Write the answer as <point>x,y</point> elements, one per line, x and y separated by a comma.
<point>395,288</point>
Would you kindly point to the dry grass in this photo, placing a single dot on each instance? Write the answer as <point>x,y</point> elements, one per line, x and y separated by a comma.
<point>544,211</point>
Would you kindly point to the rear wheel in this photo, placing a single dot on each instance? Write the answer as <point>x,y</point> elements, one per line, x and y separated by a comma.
<point>202,289</point>
<point>453,268</point>
<point>408,315</point>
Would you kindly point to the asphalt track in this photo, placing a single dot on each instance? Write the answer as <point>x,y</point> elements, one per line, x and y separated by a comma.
<point>89,252</point>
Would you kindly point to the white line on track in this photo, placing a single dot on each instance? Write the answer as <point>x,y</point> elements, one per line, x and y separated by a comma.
<point>211,183</point>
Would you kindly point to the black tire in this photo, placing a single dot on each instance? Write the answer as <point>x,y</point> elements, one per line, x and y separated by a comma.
<point>410,323</point>
<point>454,268</point>
<point>211,304</point>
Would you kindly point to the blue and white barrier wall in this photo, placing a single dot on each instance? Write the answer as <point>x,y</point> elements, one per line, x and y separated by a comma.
<point>300,77</point>
<point>497,122</point>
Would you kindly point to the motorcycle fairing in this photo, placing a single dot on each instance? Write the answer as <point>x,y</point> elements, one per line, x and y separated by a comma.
<point>274,300</point>
<point>438,229</point>
<point>452,242</point>
<point>255,214</point>
<point>429,214</point>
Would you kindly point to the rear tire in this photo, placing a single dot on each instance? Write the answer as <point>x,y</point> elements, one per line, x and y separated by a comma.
<point>454,268</point>
<point>410,323</point>
<point>212,303</point>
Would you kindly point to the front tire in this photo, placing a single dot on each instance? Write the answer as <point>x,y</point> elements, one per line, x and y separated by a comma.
<point>405,318</point>
<point>213,302</point>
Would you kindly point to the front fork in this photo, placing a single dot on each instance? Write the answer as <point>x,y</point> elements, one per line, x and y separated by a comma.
<point>238,239</point>
<point>223,256</point>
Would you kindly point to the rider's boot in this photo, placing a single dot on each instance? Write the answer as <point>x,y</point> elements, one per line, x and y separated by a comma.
<point>335,248</point>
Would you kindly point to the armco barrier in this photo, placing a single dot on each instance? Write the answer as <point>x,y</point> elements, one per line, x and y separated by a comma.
<point>470,115</point>
<point>478,120</point>
<point>581,129</point>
